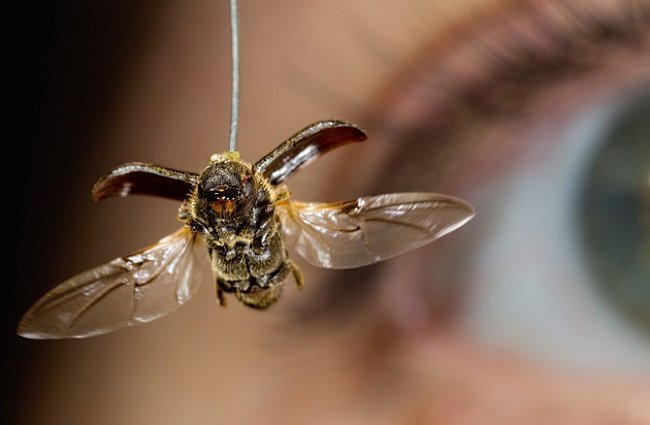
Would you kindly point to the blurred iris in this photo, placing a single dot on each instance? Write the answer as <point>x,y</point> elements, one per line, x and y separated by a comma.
<point>615,212</point>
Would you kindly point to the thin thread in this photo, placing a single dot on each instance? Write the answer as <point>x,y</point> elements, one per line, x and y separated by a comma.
<point>234,110</point>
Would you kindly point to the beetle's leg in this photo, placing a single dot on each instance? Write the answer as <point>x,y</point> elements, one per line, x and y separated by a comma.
<point>221,296</point>
<point>184,213</point>
<point>297,274</point>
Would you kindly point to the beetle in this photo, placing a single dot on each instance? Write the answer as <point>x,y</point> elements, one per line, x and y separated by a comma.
<point>241,214</point>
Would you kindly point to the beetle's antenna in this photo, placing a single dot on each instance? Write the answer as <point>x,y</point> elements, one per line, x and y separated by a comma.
<point>234,107</point>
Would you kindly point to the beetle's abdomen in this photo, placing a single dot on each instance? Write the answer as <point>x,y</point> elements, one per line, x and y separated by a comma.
<point>229,262</point>
<point>254,272</point>
<point>257,258</point>
<point>264,290</point>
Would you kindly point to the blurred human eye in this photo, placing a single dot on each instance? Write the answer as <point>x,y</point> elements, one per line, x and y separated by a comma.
<point>539,116</point>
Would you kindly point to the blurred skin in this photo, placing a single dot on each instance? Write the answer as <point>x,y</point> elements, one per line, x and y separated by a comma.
<point>445,334</point>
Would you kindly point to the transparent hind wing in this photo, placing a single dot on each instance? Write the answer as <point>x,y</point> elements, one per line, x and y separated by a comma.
<point>367,230</point>
<point>127,291</point>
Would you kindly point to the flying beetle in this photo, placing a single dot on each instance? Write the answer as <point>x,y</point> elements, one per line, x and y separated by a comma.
<point>241,214</point>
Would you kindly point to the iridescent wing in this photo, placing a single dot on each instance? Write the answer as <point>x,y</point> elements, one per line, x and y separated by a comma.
<point>127,291</point>
<point>305,146</point>
<point>145,179</point>
<point>366,230</point>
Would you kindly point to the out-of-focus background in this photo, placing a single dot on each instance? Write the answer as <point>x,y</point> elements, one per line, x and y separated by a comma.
<point>537,112</point>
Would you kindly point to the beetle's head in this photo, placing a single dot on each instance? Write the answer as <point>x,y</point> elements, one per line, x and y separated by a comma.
<point>225,189</point>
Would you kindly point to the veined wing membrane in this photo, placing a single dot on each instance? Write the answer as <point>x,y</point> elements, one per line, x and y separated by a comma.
<point>127,291</point>
<point>370,229</point>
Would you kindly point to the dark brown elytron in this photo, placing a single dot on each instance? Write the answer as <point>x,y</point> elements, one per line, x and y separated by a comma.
<point>243,215</point>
